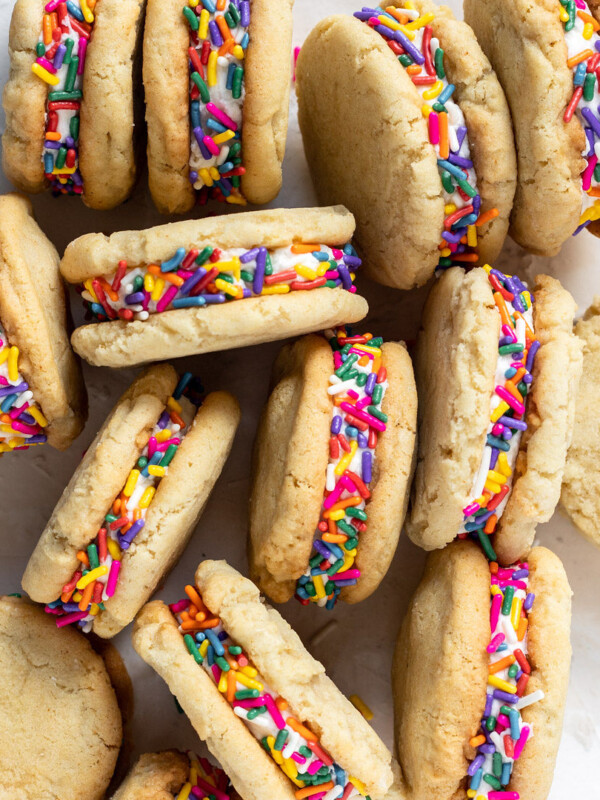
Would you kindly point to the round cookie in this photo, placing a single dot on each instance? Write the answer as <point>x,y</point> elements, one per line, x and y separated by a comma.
<point>290,466</point>
<point>265,102</point>
<point>527,37</point>
<point>395,191</point>
<point>461,320</point>
<point>581,479</point>
<point>107,113</point>
<point>448,624</point>
<point>104,471</point>
<point>34,317</point>
<point>52,682</point>
<point>282,662</point>
<point>268,315</point>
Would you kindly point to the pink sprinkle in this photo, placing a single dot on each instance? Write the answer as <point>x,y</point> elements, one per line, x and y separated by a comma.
<point>15,412</point>
<point>503,720</point>
<point>181,605</point>
<point>363,403</point>
<point>19,426</point>
<point>352,289</point>
<point>81,51</point>
<point>508,398</point>
<point>372,422</point>
<point>508,331</point>
<point>166,298</point>
<point>471,509</point>
<point>146,300</point>
<point>361,353</point>
<point>296,54</point>
<point>580,4</point>
<point>210,145</point>
<point>495,611</point>
<point>207,789</point>
<point>3,381</point>
<point>335,494</point>
<point>348,484</point>
<point>70,618</point>
<point>497,429</point>
<point>347,575</point>
<point>504,796</point>
<point>315,767</point>
<point>52,6</point>
<point>433,124</point>
<point>274,712</point>
<point>337,360</point>
<point>216,673</point>
<point>152,444</point>
<point>495,643</point>
<point>113,577</point>
<point>337,253</point>
<point>43,62</point>
<point>522,741</point>
<point>221,116</point>
<point>354,395</point>
<point>162,446</point>
<point>298,758</point>
<point>586,175</point>
<point>253,702</point>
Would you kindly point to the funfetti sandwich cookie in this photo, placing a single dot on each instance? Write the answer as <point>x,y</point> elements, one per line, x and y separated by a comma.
<point>555,112</point>
<point>42,395</point>
<point>132,503</point>
<point>265,708</point>
<point>52,681</point>
<point>172,775</point>
<point>69,100</point>
<point>172,291</point>
<point>497,370</point>
<point>581,480</point>
<point>429,172</point>
<point>333,462</point>
<point>480,677</point>
<point>217,80</point>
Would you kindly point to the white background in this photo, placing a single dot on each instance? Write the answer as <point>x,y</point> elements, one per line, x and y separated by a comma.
<point>358,643</point>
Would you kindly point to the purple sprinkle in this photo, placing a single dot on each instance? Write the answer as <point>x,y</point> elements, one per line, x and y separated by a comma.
<point>509,422</point>
<point>219,297</point>
<point>364,16</point>
<point>249,255</point>
<point>188,285</point>
<point>245,13</point>
<point>528,602</point>
<point>591,119</point>
<point>345,276</point>
<point>215,33</point>
<point>26,418</point>
<point>39,438</point>
<point>461,132</point>
<point>488,705</point>
<point>370,384</point>
<point>193,176</point>
<point>505,340</point>
<point>505,697</point>
<point>199,134</point>
<point>494,457</point>
<point>486,748</point>
<point>597,45</point>
<point>163,420</point>
<point>134,298</point>
<point>343,582</point>
<point>126,539</point>
<point>336,424</point>
<point>246,293</point>
<point>406,43</point>
<point>20,387</point>
<point>453,238</point>
<point>535,346</point>
<point>507,435</point>
<point>475,764</point>
<point>259,273</point>
<point>321,548</point>
<point>476,201</point>
<point>59,56</point>
<point>352,261</point>
<point>49,145</point>
<point>69,141</point>
<point>367,461</point>
<point>591,141</point>
<point>460,161</point>
<point>77,179</point>
<point>362,439</point>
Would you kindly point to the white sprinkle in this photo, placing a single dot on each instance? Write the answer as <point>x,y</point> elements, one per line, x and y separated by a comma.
<point>529,699</point>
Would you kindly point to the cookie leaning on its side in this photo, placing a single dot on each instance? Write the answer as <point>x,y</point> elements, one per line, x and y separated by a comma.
<point>554,112</point>
<point>495,412</point>
<point>333,462</point>
<point>506,661</point>
<point>132,503</point>
<point>51,681</point>
<point>439,184</point>
<point>42,394</point>
<point>247,683</point>
<point>173,290</point>
<point>217,84</point>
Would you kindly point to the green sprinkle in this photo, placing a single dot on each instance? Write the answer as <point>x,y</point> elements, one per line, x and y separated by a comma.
<point>512,670</point>
<point>305,751</point>
<point>74,128</point>
<point>497,765</point>
<point>405,60</point>
<point>92,552</point>
<point>445,262</point>
<point>234,13</point>
<point>329,587</point>
<point>254,712</point>
<point>336,567</point>
<point>345,528</point>
<point>492,781</point>
<point>222,663</point>
<point>466,187</point>
<point>329,284</point>
<point>246,694</point>
<point>377,395</point>
<point>61,157</point>
<point>191,17</point>
<point>377,413</point>
<point>69,43</point>
<point>357,513</point>
<point>56,96</point>
<point>486,545</point>
<point>572,15</point>
<point>510,348</point>
<point>315,560</point>
<point>361,379</point>
<point>263,741</point>
<point>235,181</point>
<point>508,598</point>
<point>310,589</point>
<point>192,648</point>
<point>168,456</point>
<point>589,85</point>
<point>348,363</point>
<point>280,739</point>
<point>490,723</point>
<point>202,87</point>
<point>351,544</point>
<point>229,19</point>
<point>227,277</point>
<point>110,518</point>
<point>40,49</point>
<point>246,276</point>
<point>268,262</point>
<point>447,181</point>
<point>597,173</point>
<point>236,84</point>
<point>138,283</point>
<point>234,150</point>
<point>439,108</point>
<point>438,62</point>
<point>376,341</point>
<point>142,462</point>
<point>495,441</point>
<point>523,388</point>
<point>71,74</point>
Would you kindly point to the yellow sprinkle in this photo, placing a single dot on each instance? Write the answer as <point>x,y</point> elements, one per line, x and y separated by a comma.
<point>159,285</point>
<point>94,609</point>
<point>515,611</point>
<point>156,471</point>
<point>348,560</point>
<point>354,781</point>
<point>63,170</point>
<point>149,283</point>
<point>131,482</point>
<point>38,416</point>
<point>319,587</point>
<point>205,175</point>
<point>147,497</point>
<point>113,548</point>
<point>361,706</point>
<point>86,11</point>
<point>305,272</point>
<point>277,757</point>
<point>279,288</point>
<point>471,235</point>
<point>193,3</point>
<point>322,269</point>
<point>498,477</point>
<point>223,137</point>
<point>163,435</point>
<point>76,597</point>
<point>420,22</point>
<point>389,23</point>
<point>238,52</point>
<point>504,686</point>
<point>446,252</point>
<point>204,647</point>
<point>564,14</point>
<point>211,69</point>
<point>222,685</point>
<point>499,411</point>
<point>335,515</point>
<point>588,30</point>
<point>13,364</point>
<point>228,288</point>
<point>345,460</point>
<point>449,208</point>
<point>4,354</point>
<point>407,32</point>
<point>246,681</point>
<point>91,576</point>
<point>376,351</point>
<point>492,487</point>
<point>214,173</point>
<point>185,791</point>
<point>174,405</point>
<point>432,92</point>
<point>471,793</point>
<point>495,589</point>
<point>203,26</point>
<point>502,464</point>
<point>42,73</point>
<point>251,672</point>
<point>234,265</point>
<point>426,110</point>
<point>90,288</point>
<point>290,769</point>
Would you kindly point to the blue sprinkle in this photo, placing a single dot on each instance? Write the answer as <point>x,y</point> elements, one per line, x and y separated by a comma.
<point>188,302</point>
<point>174,262</point>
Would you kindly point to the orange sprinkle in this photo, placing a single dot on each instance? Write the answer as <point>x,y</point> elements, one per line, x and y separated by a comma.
<point>523,622</point>
<point>301,729</point>
<point>170,277</point>
<point>231,685</point>
<point>470,257</point>
<point>221,5</point>
<point>308,790</point>
<point>516,378</point>
<point>512,389</point>
<point>503,663</point>
<point>487,216</point>
<point>281,703</point>
<point>227,45</point>
<point>589,19</point>
<point>477,740</point>
<point>223,27</point>
<point>583,56</point>
<point>195,597</point>
<point>305,248</point>
<point>528,331</point>
<point>47,28</point>
<point>83,557</point>
<point>504,315</point>
<point>114,296</point>
<point>443,126</point>
<point>66,596</point>
<point>53,136</point>
<point>594,191</point>
<point>137,514</point>
<point>494,567</point>
<point>490,527</point>
<point>347,503</point>
<point>200,616</point>
<point>86,597</point>
<point>413,69</point>
<point>397,14</point>
<point>335,538</point>
<point>177,419</point>
<point>116,506</point>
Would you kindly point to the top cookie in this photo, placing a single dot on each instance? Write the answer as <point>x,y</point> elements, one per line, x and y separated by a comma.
<point>52,681</point>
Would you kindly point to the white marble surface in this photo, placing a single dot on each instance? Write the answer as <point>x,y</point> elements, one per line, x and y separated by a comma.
<point>357,645</point>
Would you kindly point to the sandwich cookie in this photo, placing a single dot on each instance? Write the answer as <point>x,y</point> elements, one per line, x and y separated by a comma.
<point>555,111</point>
<point>581,480</point>
<point>168,291</point>
<point>42,395</point>
<point>496,410</point>
<point>277,724</point>
<point>53,681</point>
<point>69,100</point>
<point>480,676</point>
<point>171,775</point>
<point>217,116</point>
<point>333,463</point>
<point>438,188</point>
<point>132,503</point>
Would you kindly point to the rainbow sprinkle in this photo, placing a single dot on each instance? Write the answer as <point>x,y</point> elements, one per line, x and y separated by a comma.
<point>21,420</point>
<point>517,348</point>
<point>95,579</point>
<point>195,278</point>
<point>292,745</point>
<point>583,58</point>
<point>503,734</point>
<point>61,50</point>
<point>410,37</point>
<point>357,388</point>
<point>205,781</point>
<point>218,42</point>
